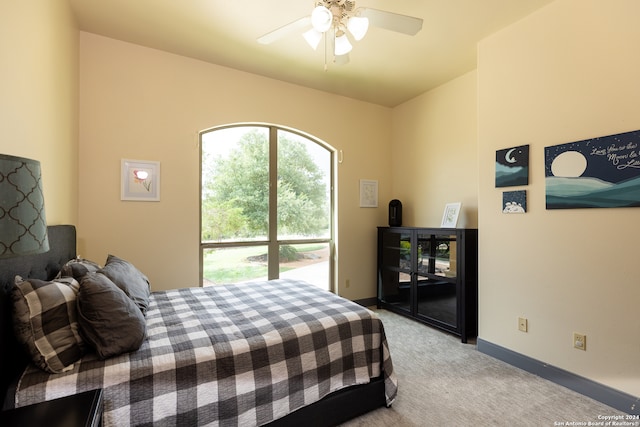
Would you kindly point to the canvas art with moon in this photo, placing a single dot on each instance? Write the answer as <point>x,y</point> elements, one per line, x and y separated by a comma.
<point>514,202</point>
<point>602,172</point>
<point>512,166</point>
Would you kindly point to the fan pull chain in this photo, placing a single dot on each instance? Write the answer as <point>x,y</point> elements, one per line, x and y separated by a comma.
<point>325,52</point>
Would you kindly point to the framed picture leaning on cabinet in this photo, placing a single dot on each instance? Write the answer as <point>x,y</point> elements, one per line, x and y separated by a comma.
<point>450,215</point>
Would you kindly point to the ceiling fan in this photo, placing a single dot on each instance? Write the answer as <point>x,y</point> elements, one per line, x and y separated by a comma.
<point>338,21</point>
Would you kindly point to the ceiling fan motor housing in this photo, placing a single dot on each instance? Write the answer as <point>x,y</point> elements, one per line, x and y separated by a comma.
<point>340,9</point>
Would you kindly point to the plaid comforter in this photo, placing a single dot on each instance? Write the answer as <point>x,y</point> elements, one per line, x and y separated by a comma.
<point>230,355</point>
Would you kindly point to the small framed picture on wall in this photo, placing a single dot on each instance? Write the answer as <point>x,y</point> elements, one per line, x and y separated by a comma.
<point>368,193</point>
<point>514,202</point>
<point>140,180</point>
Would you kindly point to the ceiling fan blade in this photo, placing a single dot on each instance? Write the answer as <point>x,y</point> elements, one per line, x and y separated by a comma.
<point>285,30</point>
<point>392,21</point>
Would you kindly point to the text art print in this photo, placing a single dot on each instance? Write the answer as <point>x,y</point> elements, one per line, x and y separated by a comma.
<point>601,172</point>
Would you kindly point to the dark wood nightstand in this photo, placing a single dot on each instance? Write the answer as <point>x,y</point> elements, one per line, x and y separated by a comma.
<point>80,410</point>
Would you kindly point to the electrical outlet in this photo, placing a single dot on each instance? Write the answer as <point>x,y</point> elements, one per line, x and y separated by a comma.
<point>523,324</point>
<point>580,341</point>
<point>347,284</point>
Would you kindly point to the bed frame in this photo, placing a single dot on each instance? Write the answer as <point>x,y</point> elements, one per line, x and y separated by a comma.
<point>334,409</point>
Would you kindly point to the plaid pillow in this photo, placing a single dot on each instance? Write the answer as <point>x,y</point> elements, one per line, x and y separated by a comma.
<point>44,319</point>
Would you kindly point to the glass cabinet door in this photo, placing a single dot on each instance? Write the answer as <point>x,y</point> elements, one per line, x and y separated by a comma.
<point>395,269</point>
<point>436,285</point>
<point>430,275</point>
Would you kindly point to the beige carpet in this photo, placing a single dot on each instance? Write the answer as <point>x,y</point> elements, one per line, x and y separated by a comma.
<point>443,382</point>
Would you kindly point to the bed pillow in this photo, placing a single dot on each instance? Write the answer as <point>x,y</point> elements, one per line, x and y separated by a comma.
<point>77,268</point>
<point>128,278</point>
<point>44,320</point>
<point>109,321</point>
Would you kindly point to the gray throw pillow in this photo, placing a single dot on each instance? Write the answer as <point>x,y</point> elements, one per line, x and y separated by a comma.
<point>77,268</point>
<point>109,321</point>
<point>129,279</point>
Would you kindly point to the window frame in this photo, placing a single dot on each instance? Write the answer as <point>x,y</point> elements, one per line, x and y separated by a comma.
<point>273,243</point>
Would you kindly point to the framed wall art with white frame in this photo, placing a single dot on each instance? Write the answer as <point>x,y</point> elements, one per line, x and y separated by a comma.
<point>368,193</point>
<point>140,180</point>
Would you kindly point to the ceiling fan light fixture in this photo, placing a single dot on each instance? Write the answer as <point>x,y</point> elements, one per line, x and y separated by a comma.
<point>341,59</point>
<point>313,38</point>
<point>358,26</point>
<point>321,19</point>
<point>342,44</point>
<point>346,23</point>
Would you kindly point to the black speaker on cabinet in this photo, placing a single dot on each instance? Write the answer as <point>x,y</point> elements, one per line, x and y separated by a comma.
<point>395,213</point>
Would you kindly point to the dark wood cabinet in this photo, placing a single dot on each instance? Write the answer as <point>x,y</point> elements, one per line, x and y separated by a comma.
<point>431,275</point>
<point>79,410</point>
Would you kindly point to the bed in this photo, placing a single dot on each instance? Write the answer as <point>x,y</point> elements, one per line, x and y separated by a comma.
<point>268,353</point>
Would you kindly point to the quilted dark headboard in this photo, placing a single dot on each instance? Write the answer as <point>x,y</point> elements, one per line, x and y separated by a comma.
<point>62,241</point>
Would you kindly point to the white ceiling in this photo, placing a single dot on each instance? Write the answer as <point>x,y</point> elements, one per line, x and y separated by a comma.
<point>386,68</point>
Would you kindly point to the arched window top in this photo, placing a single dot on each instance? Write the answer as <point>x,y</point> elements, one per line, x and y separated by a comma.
<point>238,127</point>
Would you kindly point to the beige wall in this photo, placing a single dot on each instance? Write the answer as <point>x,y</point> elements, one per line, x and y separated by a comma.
<point>566,73</point>
<point>434,154</point>
<point>143,104</point>
<point>39,97</point>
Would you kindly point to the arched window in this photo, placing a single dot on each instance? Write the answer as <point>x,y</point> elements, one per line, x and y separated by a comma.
<point>266,205</point>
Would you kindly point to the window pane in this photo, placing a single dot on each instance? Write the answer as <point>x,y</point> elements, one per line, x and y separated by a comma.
<point>308,262</point>
<point>235,184</point>
<point>304,172</point>
<point>245,200</point>
<point>234,265</point>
